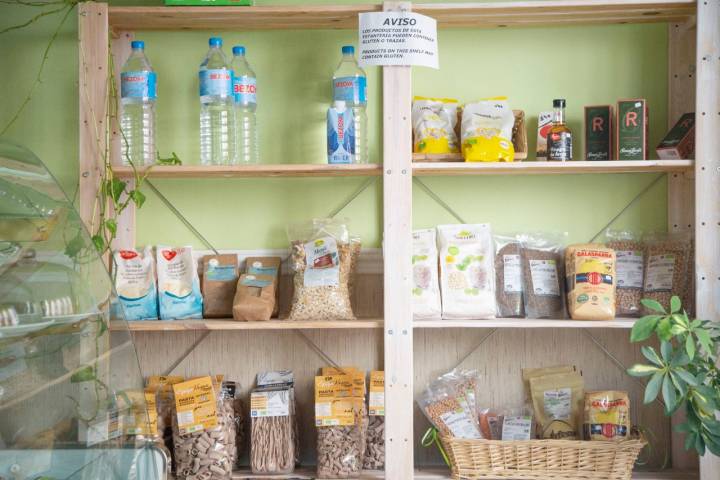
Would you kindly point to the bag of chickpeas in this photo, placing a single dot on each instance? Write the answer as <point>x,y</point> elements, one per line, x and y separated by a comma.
<point>667,259</point>
<point>630,268</point>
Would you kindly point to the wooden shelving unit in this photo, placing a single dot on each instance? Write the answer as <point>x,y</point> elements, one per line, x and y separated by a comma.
<point>693,186</point>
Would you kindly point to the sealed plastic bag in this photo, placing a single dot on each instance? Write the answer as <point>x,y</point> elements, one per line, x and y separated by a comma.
<point>508,277</point>
<point>203,433</point>
<point>666,266</point>
<point>591,280</point>
<point>135,283</point>
<point>629,270</point>
<point>467,274</point>
<point>426,289</point>
<point>543,269</point>
<point>434,121</point>
<point>448,412</point>
<point>321,258</point>
<point>178,284</point>
<point>487,128</point>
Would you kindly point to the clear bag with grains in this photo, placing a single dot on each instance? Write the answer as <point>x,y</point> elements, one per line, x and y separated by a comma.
<point>321,256</point>
<point>667,270</point>
<point>340,449</point>
<point>447,412</point>
<point>206,453</point>
<point>508,277</point>
<point>543,269</point>
<point>630,268</point>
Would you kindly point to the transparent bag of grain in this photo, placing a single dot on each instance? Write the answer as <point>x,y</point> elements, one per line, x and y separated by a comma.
<point>667,269</point>
<point>543,270</point>
<point>630,270</point>
<point>340,448</point>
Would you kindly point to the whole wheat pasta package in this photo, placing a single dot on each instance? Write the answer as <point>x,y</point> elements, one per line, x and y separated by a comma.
<point>467,273</point>
<point>426,288</point>
<point>322,260</point>
<point>591,280</point>
<point>203,431</point>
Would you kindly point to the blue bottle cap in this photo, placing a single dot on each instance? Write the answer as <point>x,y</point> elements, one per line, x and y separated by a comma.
<point>215,42</point>
<point>135,44</point>
<point>348,50</point>
<point>238,50</point>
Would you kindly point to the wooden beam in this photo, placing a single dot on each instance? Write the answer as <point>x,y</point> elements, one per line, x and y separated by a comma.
<point>707,179</point>
<point>397,223</point>
<point>93,76</point>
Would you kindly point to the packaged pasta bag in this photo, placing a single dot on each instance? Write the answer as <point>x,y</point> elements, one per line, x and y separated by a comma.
<point>322,261</point>
<point>467,274</point>
<point>486,129</point>
<point>434,121</point>
<point>426,288</point>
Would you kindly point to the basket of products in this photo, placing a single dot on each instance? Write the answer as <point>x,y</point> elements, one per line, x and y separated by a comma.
<point>560,432</point>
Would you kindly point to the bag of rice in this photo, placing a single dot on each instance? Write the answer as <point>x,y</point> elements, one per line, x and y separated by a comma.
<point>591,280</point>
<point>434,121</point>
<point>487,128</point>
<point>178,284</point>
<point>135,283</point>
<point>467,273</point>
<point>426,289</point>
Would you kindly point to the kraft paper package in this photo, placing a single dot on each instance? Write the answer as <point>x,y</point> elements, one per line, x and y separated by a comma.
<point>256,297</point>
<point>220,277</point>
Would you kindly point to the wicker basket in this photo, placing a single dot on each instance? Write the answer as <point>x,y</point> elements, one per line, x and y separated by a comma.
<point>542,459</point>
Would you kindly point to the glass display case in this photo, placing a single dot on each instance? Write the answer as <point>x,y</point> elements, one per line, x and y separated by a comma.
<point>72,404</point>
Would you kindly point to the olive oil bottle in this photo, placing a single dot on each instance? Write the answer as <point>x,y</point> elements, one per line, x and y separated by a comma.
<point>559,137</point>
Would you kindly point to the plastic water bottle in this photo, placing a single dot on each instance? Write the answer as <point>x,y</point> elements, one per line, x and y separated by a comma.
<point>217,110</point>
<point>350,86</point>
<point>138,92</point>
<point>244,92</point>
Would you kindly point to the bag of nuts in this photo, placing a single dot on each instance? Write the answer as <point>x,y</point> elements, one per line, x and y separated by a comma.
<point>273,432</point>
<point>543,269</point>
<point>203,432</point>
<point>322,261</point>
<point>340,419</point>
<point>666,266</point>
<point>630,268</point>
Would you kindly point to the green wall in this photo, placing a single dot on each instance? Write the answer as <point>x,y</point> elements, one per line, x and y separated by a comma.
<point>586,65</point>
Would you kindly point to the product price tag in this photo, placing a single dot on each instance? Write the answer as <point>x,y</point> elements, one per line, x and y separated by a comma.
<point>629,268</point>
<point>196,405</point>
<point>517,428</point>
<point>512,274</point>
<point>544,277</point>
<point>398,38</point>
<point>460,424</point>
<point>660,272</point>
<point>274,403</point>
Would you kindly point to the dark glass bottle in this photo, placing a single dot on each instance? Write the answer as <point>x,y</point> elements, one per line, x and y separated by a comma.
<point>559,137</point>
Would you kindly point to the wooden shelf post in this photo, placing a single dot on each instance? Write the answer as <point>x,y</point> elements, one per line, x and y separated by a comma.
<point>707,178</point>
<point>397,223</point>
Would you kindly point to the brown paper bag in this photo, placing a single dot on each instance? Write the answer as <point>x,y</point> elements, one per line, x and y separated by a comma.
<point>219,280</point>
<point>256,297</point>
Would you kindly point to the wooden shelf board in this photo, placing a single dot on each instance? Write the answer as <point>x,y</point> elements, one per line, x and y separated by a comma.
<point>556,12</point>
<point>271,17</point>
<point>546,168</point>
<point>248,171</point>
<point>524,323</point>
<point>440,473</point>
<point>227,324</point>
<point>488,15</point>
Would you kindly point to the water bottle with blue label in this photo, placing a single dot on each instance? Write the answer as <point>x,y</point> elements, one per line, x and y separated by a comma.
<point>217,108</point>
<point>350,86</point>
<point>340,134</point>
<point>138,93</point>
<point>245,95</point>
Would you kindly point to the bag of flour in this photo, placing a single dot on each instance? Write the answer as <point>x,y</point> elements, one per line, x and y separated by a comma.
<point>178,284</point>
<point>135,283</point>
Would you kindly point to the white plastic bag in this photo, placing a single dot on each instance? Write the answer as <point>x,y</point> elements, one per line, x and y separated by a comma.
<point>434,121</point>
<point>426,288</point>
<point>135,283</point>
<point>178,284</point>
<point>467,271</point>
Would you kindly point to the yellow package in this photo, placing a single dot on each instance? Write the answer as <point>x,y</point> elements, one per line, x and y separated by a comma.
<point>196,405</point>
<point>607,416</point>
<point>591,281</point>
<point>434,121</point>
<point>487,127</point>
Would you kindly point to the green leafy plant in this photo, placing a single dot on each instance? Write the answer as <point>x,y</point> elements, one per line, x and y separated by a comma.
<point>685,370</point>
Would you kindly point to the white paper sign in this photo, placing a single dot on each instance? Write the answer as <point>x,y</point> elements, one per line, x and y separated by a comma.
<point>398,38</point>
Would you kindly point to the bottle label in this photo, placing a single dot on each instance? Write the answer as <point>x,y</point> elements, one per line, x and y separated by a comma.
<point>244,89</point>
<point>215,82</point>
<point>352,90</point>
<point>559,146</point>
<point>140,84</point>
<point>340,136</point>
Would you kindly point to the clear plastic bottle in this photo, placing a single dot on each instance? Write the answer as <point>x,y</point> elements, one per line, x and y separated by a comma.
<point>217,109</point>
<point>350,86</point>
<point>244,92</point>
<point>138,93</point>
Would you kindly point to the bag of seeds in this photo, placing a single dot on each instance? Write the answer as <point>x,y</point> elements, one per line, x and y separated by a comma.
<point>590,270</point>
<point>203,433</point>
<point>321,259</point>
<point>273,430</point>
<point>558,404</point>
<point>467,276</point>
<point>426,289</point>
<point>220,274</point>
<point>629,270</point>
<point>508,277</point>
<point>542,265</point>
<point>666,266</point>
